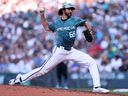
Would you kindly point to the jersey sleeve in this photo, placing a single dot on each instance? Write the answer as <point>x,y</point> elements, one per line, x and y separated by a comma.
<point>80,22</point>
<point>52,27</point>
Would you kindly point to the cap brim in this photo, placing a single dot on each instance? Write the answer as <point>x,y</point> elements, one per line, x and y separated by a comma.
<point>72,8</point>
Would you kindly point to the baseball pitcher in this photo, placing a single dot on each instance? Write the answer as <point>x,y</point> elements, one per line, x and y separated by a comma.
<point>65,28</point>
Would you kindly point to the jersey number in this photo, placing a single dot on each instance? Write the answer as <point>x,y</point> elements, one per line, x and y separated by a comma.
<point>72,34</point>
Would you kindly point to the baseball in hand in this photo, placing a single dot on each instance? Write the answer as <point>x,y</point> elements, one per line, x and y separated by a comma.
<point>41,7</point>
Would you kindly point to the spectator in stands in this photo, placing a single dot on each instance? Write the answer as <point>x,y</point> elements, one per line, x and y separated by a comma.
<point>116,62</point>
<point>17,36</point>
<point>104,64</point>
<point>124,66</point>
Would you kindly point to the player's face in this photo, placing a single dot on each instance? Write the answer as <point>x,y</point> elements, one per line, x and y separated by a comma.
<point>68,12</point>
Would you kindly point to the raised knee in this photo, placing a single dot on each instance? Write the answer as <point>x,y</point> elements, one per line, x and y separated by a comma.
<point>92,62</point>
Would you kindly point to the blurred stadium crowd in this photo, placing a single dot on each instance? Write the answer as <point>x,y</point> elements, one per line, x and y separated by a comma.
<point>25,45</point>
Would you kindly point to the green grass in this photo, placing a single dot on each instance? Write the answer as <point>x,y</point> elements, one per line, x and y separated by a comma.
<point>111,90</point>
<point>120,92</point>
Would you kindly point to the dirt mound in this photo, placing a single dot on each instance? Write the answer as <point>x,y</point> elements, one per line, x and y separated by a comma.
<point>7,90</point>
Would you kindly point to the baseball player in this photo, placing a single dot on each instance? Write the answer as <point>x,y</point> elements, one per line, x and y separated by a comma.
<point>62,75</point>
<point>65,28</point>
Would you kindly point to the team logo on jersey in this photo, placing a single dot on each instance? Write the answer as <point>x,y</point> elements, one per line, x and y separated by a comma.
<point>65,28</point>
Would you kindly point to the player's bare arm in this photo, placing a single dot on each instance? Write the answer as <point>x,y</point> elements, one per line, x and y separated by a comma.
<point>43,19</point>
<point>88,33</point>
<point>88,26</point>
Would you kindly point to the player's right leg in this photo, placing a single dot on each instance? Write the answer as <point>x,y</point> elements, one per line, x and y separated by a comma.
<point>55,59</point>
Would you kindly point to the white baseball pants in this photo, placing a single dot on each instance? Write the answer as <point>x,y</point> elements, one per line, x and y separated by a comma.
<point>60,54</point>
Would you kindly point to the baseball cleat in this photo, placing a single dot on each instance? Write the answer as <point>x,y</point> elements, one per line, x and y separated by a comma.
<point>13,82</point>
<point>16,81</point>
<point>100,90</point>
<point>65,87</point>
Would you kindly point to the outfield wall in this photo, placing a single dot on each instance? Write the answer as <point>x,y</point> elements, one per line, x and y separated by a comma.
<point>109,80</point>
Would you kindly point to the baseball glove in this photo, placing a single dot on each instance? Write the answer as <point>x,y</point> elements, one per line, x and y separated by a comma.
<point>88,35</point>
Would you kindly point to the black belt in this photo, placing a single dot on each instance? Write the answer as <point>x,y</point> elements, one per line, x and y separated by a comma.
<point>65,48</point>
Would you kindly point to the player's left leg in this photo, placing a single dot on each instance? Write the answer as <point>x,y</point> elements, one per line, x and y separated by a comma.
<point>88,61</point>
<point>55,59</point>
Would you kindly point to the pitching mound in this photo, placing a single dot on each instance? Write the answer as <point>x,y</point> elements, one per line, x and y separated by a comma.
<point>7,90</point>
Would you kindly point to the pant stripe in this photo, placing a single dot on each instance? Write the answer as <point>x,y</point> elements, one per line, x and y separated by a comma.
<point>41,66</point>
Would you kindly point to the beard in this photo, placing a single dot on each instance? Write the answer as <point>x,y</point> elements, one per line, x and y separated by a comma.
<point>69,14</point>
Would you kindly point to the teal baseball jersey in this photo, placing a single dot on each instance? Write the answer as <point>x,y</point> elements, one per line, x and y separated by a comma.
<point>66,30</point>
